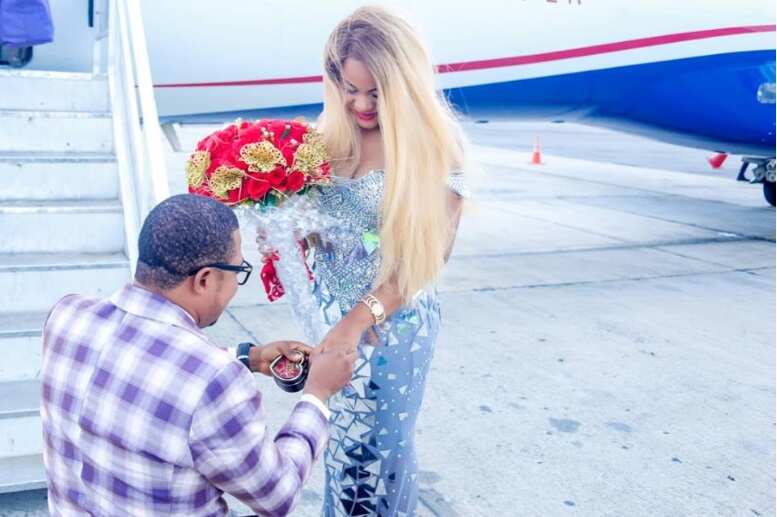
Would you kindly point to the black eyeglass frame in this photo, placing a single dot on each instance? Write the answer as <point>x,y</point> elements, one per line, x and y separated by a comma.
<point>244,267</point>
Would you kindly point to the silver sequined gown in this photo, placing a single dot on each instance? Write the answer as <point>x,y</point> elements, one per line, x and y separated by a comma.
<point>370,462</point>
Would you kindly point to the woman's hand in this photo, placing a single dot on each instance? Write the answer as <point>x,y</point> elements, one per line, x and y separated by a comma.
<point>260,357</point>
<point>349,330</point>
<point>343,336</point>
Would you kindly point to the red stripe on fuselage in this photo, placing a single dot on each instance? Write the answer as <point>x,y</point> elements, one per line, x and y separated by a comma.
<point>519,60</point>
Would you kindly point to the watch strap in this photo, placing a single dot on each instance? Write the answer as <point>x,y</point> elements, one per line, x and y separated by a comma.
<point>243,351</point>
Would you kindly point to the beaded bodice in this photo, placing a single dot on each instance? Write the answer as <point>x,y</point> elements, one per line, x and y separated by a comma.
<point>348,268</point>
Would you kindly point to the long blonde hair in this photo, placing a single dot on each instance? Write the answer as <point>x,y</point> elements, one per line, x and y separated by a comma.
<point>422,141</point>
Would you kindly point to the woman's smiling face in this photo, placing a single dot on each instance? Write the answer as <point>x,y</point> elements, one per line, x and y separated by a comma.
<point>361,93</point>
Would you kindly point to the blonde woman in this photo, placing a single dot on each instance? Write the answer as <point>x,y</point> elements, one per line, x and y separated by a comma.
<point>397,156</point>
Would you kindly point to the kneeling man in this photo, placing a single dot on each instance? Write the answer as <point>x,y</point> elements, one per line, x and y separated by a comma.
<point>144,415</point>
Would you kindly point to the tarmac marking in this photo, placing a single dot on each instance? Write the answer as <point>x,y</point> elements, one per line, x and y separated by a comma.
<point>611,281</point>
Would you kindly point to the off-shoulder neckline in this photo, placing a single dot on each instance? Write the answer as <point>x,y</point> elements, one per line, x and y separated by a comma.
<point>345,179</point>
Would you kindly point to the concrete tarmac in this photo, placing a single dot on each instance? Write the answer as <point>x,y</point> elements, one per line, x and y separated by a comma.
<point>608,336</point>
<point>608,339</point>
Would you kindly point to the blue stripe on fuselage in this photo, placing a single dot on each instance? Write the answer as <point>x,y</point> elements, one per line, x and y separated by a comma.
<point>708,102</point>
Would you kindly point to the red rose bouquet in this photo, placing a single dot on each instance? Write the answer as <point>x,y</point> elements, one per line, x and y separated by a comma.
<point>258,163</point>
<point>263,169</point>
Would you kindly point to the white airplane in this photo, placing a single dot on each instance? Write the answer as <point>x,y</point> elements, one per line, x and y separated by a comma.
<point>694,73</point>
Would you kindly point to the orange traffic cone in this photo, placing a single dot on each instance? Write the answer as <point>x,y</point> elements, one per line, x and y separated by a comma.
<point>716,160</point>
<point>536,156</point>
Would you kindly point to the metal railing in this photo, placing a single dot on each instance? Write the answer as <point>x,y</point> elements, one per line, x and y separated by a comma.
<point>137,134</point>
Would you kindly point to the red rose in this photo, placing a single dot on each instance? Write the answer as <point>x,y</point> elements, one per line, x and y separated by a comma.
<point>228,133</point>
<point>237,195</point>
<point>249,135</point>
<point>297,131</point>
<point>252,133</point>
<point>203,190</point>
<point>227,160</point>
<point>276,177</point>
<point>277,127</point>
<point>256,188</point>
<point>217,150</point>
<point>295,181</point>
<point>288,149</point>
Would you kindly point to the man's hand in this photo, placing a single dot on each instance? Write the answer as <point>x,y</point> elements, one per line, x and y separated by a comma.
<point>260,357</point>
<point>330,370</point>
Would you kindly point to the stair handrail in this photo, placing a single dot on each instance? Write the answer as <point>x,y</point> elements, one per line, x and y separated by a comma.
<point>137,134</point>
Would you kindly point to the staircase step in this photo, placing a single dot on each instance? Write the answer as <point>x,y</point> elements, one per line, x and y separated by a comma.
<point>21,324</point>
<point>19,399</point>
<point>54,91</point>
<point>38,175</point>
<point>22,473</point>
<point>20,345</point>
<point>56,131</point>
<point>87,226</point>
<point>34,282</point>
<point>20,427</point>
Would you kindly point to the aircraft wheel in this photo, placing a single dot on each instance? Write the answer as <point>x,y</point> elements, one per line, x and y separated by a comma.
<point>769,192</point>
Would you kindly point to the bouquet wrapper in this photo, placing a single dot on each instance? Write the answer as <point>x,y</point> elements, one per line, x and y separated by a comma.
<point>282,229</point>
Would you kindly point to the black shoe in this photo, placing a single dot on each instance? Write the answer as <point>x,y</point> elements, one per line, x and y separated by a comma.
<point>15,57</point>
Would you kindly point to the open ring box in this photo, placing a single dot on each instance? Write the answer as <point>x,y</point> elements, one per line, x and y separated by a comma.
<point>289,375</point>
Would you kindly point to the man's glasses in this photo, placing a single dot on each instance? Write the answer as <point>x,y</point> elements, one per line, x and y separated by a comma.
<point>243,270</point>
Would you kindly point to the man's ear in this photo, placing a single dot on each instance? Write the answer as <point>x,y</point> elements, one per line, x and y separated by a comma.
<point>202,280</point>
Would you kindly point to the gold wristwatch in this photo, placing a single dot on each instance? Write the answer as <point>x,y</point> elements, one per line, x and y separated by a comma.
<point>376,308</point>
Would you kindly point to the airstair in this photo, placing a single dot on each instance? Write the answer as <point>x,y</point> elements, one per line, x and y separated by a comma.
<point>81,162</point>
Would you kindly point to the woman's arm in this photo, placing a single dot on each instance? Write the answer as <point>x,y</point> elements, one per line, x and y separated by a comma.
<point>359,319</point>
<point>455,205</point>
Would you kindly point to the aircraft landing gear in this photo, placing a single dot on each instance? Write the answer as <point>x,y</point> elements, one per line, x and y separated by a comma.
<point>762,173</point>
<point>769,192</point>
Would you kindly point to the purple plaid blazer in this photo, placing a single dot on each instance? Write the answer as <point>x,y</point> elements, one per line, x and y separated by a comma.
<point>143,415</point>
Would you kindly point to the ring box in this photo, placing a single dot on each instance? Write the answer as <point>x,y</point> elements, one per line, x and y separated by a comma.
<point>290,376</point>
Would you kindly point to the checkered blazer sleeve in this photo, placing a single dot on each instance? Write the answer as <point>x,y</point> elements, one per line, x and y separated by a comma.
<point>232,448</point>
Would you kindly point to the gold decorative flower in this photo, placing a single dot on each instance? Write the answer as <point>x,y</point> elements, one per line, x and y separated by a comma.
<point>311,154</point>
<point>261,157</point>
<point>196,166</point>
<point>225,179</point>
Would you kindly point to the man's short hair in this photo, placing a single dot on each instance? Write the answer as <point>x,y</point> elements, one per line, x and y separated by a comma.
<point>180,235</point>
